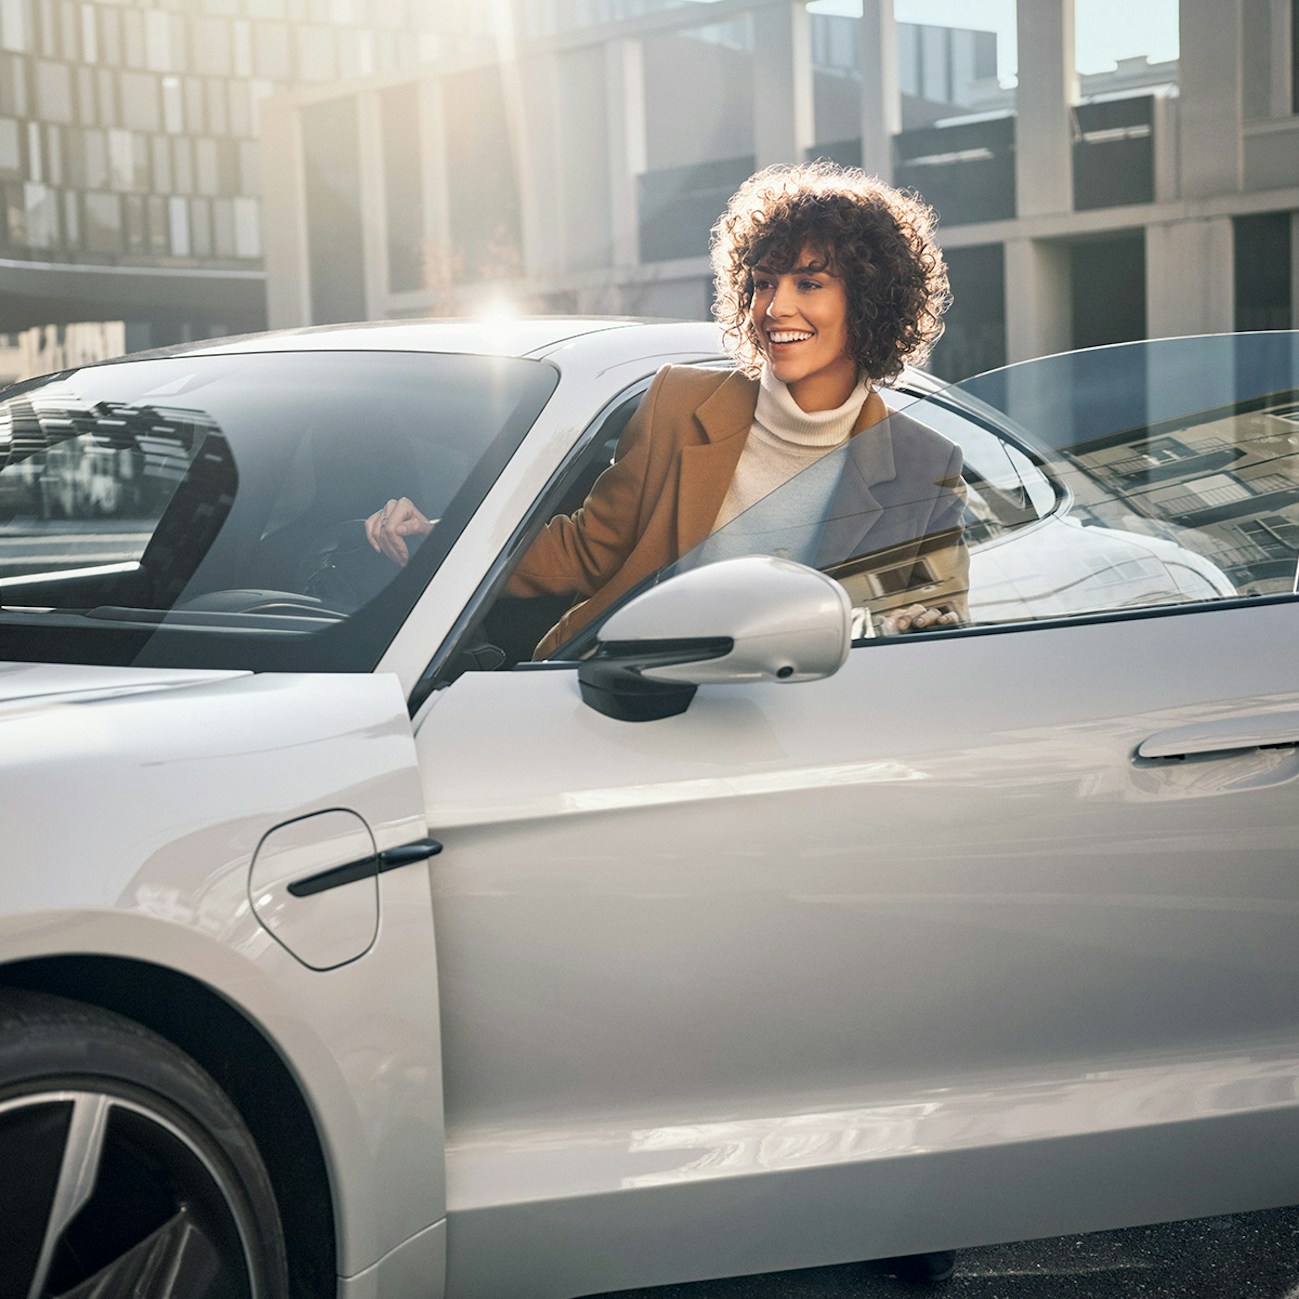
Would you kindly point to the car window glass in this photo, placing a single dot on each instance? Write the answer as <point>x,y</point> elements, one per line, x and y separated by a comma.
<point>1103,482</point>
<point>206,511</point>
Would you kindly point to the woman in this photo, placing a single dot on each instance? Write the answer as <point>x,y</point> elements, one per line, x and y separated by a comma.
<point>827,282</point>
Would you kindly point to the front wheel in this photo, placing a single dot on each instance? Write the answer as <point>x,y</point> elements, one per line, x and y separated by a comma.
<point>124,1169</point>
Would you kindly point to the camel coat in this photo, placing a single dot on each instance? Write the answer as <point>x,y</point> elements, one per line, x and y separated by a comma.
<point>670,474</point>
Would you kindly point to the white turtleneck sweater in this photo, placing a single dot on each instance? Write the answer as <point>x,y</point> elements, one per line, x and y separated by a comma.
<point>784,441</point>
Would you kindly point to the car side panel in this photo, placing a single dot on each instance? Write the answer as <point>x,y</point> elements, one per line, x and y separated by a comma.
<point>130,826</point>
<point>914,957</point>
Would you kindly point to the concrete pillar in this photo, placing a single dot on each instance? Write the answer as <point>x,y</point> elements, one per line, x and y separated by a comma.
<point>1039,299</point>
<point>1210,73</point>
<point>1164,127</point>
<point>1282,49</point>
<point>783,107</point>
<point>1048,89</point>
<point>625,113</point>
<point>531,106</point>
<point>284,214</point>
<point>434,194</point>
<point>1190,278</point>
<point>374,205</point>
<point>1294,270</point>
<point>881,100</point>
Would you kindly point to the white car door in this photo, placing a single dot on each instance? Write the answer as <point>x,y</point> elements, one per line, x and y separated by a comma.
<point>987,936</point>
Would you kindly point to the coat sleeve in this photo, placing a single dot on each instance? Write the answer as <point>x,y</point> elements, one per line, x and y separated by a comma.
<point>576,554</point>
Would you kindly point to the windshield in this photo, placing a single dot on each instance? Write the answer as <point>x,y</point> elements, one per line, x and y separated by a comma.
<point>207,511</point>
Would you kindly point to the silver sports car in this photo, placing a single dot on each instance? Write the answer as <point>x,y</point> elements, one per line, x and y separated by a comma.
<point>346,949</point>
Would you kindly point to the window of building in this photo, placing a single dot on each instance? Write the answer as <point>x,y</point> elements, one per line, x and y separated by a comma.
<point>137,240</point>
<point>195,108</point>
<point>160,160</point>
<point>89,34</point>
<point>94,145</point>
<point>11,155</point>
<point>13,85</point>
<point>205,158</point>
<point>182,153</point>
<point>271,55</point>
<point>211,51</point>
<point>54,154</point>
<point>316,60</point>
<point>86,97</point>
<point>140,108</point>
<point>173,106</point>
<point>71,220</point>
<point>242,38</point>
<point>217,119</point>
<point>223,227</point>
<point>156,212</point>
<point>110,35</point>
<point>69,31</point>
<point>133,55</point>
<point>103,223</point>
<point>1263,270</point>
<point>54,91</point>
<point>157,41</point>
<point>178,224</point>
<point>248,232</point>
<point>15,25</point>
<point>106,97</point>
<point>200,226</point>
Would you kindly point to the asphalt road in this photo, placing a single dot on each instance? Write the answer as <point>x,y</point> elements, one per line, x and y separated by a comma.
<point>1247,1256</point>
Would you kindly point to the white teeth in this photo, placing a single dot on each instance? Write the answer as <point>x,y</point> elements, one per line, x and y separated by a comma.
<point>787,336</point>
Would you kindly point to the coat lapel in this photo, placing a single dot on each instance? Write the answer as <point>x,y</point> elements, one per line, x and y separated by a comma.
<point>854,509</point>
<point>725,418</point>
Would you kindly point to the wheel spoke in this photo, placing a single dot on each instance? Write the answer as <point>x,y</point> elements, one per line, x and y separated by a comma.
<point>77,1173</point>
<point>177,1261</point>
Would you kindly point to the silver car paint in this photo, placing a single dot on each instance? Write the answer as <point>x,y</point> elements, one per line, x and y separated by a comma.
<point>1004,943</point>
<point>176,780</point>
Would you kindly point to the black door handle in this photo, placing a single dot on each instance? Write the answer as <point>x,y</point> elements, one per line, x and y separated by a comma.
<point>406,855</point>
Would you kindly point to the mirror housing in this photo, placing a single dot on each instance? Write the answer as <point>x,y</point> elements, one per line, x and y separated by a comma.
<point>757,618</point>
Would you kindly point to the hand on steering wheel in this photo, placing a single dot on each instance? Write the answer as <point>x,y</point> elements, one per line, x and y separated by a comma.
<point>387,529</point>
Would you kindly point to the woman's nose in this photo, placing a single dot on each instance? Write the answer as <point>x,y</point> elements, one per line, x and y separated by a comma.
<point>779,303</point>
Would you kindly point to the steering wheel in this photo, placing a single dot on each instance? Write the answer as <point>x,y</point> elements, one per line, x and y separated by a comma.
<point>339,567</point>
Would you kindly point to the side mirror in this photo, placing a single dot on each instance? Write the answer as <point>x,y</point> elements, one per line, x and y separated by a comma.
<point>740,620</point>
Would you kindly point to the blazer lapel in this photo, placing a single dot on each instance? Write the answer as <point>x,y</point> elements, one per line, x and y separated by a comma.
<point>854,509</point>
<point>725,416</point>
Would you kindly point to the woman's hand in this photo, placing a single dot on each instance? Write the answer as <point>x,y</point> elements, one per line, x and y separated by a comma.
<point>915,617</point>
<point>388,528</point>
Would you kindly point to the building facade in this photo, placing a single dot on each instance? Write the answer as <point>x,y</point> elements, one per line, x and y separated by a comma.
<point>130,169</point>
<point>580,165</point>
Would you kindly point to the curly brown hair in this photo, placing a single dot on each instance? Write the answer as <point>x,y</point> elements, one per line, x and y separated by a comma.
<point>877,239</point>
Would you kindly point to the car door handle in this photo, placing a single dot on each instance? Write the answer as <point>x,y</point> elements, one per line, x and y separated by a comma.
<point>389,859</point>
<point>1222,735</point>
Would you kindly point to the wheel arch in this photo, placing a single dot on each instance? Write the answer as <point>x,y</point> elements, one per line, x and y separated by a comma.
<point>236,1054</point>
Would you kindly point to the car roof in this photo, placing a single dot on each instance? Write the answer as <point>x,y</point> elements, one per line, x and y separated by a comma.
<point>523,336</point>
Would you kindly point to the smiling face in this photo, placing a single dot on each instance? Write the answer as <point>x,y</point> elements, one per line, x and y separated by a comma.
<point>800,317</point>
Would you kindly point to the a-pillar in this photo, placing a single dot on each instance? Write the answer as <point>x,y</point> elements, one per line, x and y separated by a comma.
<point>784,126</point>
<point>1190,278</point>
<point>881,100</point>
<point>1048,90</point>
<point>1039,299</point>
<point>1209,74</point>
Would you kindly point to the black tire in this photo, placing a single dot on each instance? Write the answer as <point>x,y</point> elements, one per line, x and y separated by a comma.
<point>124,1169</point>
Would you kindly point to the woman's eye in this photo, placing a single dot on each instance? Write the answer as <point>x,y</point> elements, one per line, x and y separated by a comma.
<point>810,284</point>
